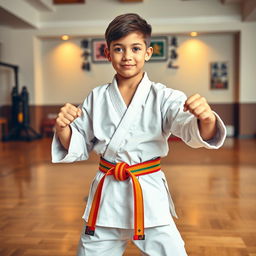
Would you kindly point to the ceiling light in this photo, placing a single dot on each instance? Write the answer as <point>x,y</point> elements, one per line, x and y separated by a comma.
<point>193,34</point>
<point>65,37</point>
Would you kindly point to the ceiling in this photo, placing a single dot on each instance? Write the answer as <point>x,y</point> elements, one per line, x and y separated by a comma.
<point>10,18</point>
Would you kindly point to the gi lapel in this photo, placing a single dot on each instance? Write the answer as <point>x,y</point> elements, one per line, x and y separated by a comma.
<point>117,99</point>
<point>127,114</point>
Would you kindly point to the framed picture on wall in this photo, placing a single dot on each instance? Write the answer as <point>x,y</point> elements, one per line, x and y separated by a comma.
<point>98,46</point>
<point>159,45</point>
<point>218,75</point>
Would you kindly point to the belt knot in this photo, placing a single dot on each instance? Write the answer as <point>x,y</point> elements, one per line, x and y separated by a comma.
<point>120,171</point>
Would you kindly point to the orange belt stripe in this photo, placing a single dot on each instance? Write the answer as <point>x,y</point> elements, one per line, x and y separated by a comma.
<point>121,172</point>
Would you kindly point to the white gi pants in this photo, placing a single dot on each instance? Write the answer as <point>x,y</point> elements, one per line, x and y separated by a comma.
<point>159,241</point>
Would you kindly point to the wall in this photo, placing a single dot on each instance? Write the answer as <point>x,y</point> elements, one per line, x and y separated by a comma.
<point>56,64</point>
<point>65,81</point>
<point>63,78</point>
<point>247,109</point>
<point>248,63</point>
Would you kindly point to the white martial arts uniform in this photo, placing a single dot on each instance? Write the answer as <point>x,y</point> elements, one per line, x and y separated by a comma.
<point>132,135</point>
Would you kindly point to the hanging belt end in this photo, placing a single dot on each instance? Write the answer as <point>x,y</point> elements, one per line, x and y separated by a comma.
<point>139,237</point>
<point>89,231</point>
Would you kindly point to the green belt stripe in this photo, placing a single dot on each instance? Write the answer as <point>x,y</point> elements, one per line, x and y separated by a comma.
<point>104,166</point>
<point>146,168</point>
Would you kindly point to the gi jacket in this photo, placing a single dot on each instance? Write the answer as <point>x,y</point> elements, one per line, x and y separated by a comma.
<point>132,134</point>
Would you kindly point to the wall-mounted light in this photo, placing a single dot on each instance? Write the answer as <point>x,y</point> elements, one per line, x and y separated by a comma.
<point>65,37</point>
<point>193,34</point>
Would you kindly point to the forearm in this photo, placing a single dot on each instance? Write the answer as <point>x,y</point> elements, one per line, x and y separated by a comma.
<point>207,129</point>
<point>64,135</point>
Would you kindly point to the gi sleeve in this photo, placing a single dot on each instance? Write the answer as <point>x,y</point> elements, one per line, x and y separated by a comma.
<point>81,142</point>
<point>185,125</point>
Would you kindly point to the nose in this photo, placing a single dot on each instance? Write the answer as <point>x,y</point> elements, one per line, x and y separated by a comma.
<point>127,55</point>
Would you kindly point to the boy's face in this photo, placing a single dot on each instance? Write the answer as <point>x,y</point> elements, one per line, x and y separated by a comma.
<point>128,54</point>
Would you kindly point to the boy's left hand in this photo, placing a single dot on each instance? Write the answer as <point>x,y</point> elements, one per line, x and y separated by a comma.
<point>198,106</point>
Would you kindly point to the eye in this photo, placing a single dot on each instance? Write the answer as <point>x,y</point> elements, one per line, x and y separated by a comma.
<point>136,48</point>
<point>118,49</point>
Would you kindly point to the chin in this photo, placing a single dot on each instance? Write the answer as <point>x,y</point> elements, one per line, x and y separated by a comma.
<point>130,74</point>
<point>127,76</point>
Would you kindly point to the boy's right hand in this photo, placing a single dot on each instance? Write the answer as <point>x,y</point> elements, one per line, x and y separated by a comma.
<point>68,113</point>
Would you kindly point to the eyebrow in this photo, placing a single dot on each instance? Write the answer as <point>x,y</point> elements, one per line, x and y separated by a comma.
<point>118,44</point>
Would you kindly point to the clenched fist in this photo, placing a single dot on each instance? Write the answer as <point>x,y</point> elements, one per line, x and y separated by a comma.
<point>198,106</point>
<point>68,113</point>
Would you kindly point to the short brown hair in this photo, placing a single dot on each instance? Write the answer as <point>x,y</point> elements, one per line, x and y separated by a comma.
<point>127,23</point>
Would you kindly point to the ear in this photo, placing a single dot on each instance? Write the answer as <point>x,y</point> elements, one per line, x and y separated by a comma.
<point>107,54</point>
<point>149,53</point>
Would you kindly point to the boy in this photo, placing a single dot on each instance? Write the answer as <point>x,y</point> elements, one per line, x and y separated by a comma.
<point>128,122</point>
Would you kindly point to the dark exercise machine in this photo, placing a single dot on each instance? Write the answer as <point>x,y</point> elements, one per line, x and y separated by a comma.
<point>20,129</point>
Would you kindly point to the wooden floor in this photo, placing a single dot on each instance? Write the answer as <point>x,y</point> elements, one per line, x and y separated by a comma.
<point>215,194</point>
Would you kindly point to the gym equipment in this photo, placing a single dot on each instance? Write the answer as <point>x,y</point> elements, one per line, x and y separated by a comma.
<point>20,128</point>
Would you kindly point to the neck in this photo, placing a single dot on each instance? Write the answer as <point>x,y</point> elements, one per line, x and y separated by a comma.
<point>131,82</point>
<point>128,86</point>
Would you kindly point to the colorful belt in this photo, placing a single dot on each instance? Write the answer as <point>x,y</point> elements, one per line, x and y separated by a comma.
<point>121,172</point>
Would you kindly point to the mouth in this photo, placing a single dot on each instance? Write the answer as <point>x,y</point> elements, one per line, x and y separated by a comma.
<point>128,65</point>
